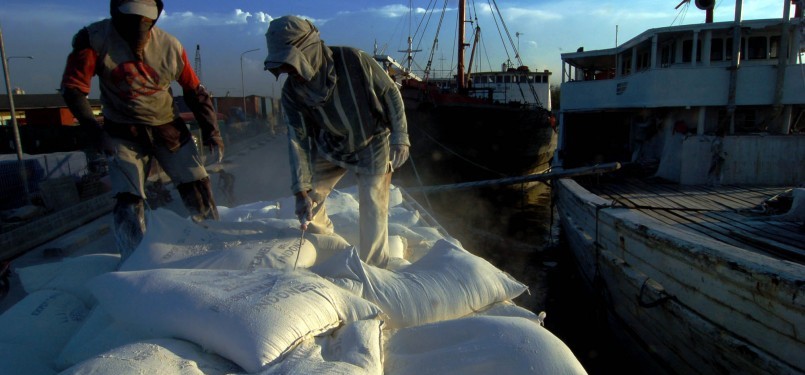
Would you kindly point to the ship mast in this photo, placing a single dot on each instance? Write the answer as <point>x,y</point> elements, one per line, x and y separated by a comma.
<point>461,45</point>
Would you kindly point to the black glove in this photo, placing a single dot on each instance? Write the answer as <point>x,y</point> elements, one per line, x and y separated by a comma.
<point>89,127</point>
<point>215,145</point>
<point>200,102</point>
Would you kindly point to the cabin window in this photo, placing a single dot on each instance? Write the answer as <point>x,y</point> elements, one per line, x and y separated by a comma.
<point>687,51</point>
<point>667,55</point>
<point>774,47</point>
<point>757,47</point>
<point>626,63</point>
<point>499,79</point>
<point>717,49</point>
<point>728,49</point>
<point>507,79</point>
<point>643,60</point>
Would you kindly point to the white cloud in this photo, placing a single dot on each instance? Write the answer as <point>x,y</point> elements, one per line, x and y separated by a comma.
<point>395,10</point>
<point>388,11</point>
<point>240,17</point>
<point>316,21</point>
<point>235,17</point>
<point>392,11</point>
<point>262,17</point>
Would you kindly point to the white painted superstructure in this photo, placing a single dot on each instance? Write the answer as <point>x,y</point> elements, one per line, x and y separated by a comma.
<point>698,263</point>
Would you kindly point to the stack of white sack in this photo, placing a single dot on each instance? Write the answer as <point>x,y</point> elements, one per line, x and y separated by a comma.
<point>241,296</point>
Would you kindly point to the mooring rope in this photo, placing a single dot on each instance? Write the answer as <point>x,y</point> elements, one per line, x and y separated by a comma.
<point>519,179</point>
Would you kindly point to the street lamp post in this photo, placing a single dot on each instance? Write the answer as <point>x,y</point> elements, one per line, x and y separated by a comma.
<point>242,85</point>
<point>17,140</point>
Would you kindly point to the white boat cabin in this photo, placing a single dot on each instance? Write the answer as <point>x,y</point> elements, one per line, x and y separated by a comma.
<point>704,105</point>
<point>510,85</point>
<point>689,65</point>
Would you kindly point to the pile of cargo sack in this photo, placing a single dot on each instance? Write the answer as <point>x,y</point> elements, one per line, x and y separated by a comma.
<point>247,294</point>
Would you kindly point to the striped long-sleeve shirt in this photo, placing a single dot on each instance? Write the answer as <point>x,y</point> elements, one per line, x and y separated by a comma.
<point>354,127</point>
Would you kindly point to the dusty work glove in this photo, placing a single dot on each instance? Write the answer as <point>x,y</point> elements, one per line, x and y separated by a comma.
<point>105,146</point>
<point>92,131</point>
<point>399,154</point>
<point>215,145</point>
<point>304,208</point>
<point>98,139</point>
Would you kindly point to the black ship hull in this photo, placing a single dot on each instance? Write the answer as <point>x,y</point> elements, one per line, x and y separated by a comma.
<point>463,141</point>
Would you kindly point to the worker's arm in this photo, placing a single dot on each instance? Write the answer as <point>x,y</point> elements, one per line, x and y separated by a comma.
<point>200,102</point>
<point>394,109</point>
<point>300,143</point>
<point>392,102</point>
<point>76,84</point>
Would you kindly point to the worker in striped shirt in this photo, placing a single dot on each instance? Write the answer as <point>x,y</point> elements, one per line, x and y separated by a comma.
<point>344,113</point>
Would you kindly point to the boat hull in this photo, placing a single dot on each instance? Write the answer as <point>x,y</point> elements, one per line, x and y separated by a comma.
<point>691,304</point>
<point>464,141</point>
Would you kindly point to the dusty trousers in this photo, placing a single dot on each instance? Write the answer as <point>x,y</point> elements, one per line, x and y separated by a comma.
<point>197,198</point>
<point>129,223</point>
<point>373,199</point>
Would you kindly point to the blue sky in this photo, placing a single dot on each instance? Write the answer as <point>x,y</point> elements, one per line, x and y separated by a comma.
<point>43,29</point>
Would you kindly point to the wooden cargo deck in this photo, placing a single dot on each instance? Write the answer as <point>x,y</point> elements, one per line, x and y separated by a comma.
<point>730,214</point>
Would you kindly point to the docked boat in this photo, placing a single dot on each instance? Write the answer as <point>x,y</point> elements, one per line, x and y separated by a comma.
<point>695,246</point>
<point>476,125</point>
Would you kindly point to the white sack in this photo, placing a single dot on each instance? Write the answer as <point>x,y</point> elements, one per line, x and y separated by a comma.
<point>397,264</point>
<point>413,238</point>
<point>447,283</point>
<point>509,309</point>
<point>347,224</point>
<point>43,320</point>
<point>158,356</point>
<point>397,246</point>
<point>479,345</point>
<point>175,242</point>
<point>251,211</point>
<point>98,333</point>
<point>251,318</point>
<point>339,202</point>
<point>404,216</point>
<point>21,359</point>
<point>353,349</point>
<point>326,245</point>
<point>255,226</point>
<point>430,233</point>
<point>419,239</point>
<point>395,196</point>
<point>69,275</point>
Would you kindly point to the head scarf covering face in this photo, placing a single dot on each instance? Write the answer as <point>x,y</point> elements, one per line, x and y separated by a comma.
<point>296,42</point>
<point>135,24</point>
